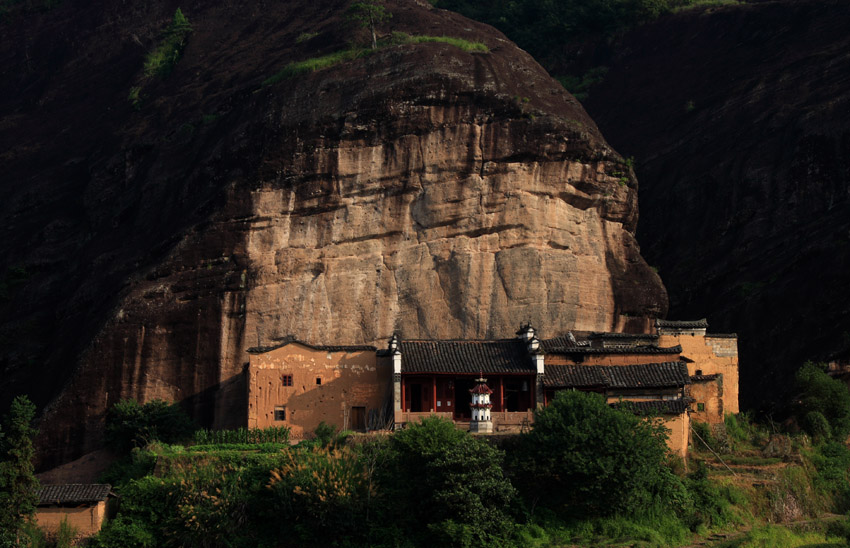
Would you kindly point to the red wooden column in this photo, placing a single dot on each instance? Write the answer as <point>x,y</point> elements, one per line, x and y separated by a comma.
<point>502,394</point>
<point>434,393</point>
<point>403,408</point>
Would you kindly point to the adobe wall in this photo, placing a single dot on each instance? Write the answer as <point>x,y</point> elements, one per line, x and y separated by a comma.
<point>711,354</point>
<point>349,379</point>
<point>710,394</point>
<point>679,426</point>
<point>87,520</point>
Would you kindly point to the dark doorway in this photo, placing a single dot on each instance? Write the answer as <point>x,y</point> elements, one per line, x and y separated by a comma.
<point>512,395</point>
<point>415,398</point>
<point>358,419</point>
<point>463,398</point>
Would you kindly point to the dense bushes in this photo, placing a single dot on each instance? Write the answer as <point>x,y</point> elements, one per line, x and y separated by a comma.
<point>823,409</point>
<point>130,424</point>
<point>587,457</point>
<point>18,484</point>
<point>447,488</point>
<point>586,472</point>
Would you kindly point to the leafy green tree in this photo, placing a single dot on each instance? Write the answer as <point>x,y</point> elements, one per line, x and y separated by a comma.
<point>447,488</point>
<point>18,485</point>
<point>820,393</point>
<point>130,424</point>
<point>369,14</point>
<point>589,458</point>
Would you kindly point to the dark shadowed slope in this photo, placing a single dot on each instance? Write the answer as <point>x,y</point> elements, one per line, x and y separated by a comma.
<point>739,122</point>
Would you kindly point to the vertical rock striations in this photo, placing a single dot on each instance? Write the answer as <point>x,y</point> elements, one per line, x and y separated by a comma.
<point>421,189</point>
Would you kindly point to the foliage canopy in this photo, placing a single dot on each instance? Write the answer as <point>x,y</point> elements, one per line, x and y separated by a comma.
<point>130,424</point>
<point>18,485</point>
<point>824,403</point>
<point>596,460</point>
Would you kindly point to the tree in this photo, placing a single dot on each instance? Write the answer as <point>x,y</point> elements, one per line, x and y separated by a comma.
<point>18,485</point>
<point>589,458</point>
<point>822,395</point>
<point>369,14</point>
<point>130,424</point>
<point>446,487</point>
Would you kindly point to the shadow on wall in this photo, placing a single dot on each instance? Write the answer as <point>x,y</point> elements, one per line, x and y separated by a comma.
<point>223,405</point>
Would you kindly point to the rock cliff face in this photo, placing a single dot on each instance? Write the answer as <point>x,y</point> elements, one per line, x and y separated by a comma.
<point>737,120</point>
<point>420,189</point>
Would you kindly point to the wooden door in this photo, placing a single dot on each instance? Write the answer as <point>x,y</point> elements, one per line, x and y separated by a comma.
<point>358,419</point>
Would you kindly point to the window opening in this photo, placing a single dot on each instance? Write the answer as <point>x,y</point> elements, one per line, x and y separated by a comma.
<point>280,413</point>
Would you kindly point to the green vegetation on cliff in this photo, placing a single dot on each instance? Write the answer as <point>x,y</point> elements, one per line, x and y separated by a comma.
<point>18,484</point>
<point>332,59</point>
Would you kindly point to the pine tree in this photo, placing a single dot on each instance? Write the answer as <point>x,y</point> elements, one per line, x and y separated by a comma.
<point>18,485</point>
<point>369,14</point>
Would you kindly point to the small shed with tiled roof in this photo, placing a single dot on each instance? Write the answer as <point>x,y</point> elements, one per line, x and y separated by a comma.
<point>84,505</point>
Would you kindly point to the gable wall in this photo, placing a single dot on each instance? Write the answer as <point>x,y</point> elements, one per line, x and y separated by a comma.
<point>711,355</point>
<point>349,379</point>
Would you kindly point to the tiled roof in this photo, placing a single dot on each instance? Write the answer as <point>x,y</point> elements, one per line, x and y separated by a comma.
<point>573,376</point>
<point>682,324</point>
<point>73,493</point>
<point>654,375</point>
<point>324,348</point>
<point>722,335</point>
<point>650,407</point>
<point>551,348</point>
<point>702,378</point>
<point>488,357</point>
<point>638,336</point>
<point>564,341</point>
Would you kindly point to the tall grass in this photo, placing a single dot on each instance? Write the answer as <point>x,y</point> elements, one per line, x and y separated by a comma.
<point>272,434</point>
<point>332,59</point>
<point>705,4</point>
<point>776,536</point>
<point>465,45</point>
<point>316,63</point>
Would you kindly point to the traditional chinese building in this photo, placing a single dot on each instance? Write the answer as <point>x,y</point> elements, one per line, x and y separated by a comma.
<point>435,378</point>
<point>678,373</point>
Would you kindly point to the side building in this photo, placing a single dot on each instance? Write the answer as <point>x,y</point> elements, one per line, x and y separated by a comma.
<point>300,385</point>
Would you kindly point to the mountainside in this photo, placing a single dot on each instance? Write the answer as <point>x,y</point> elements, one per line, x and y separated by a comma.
<point>737,118</point>
<point>423,189</point>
